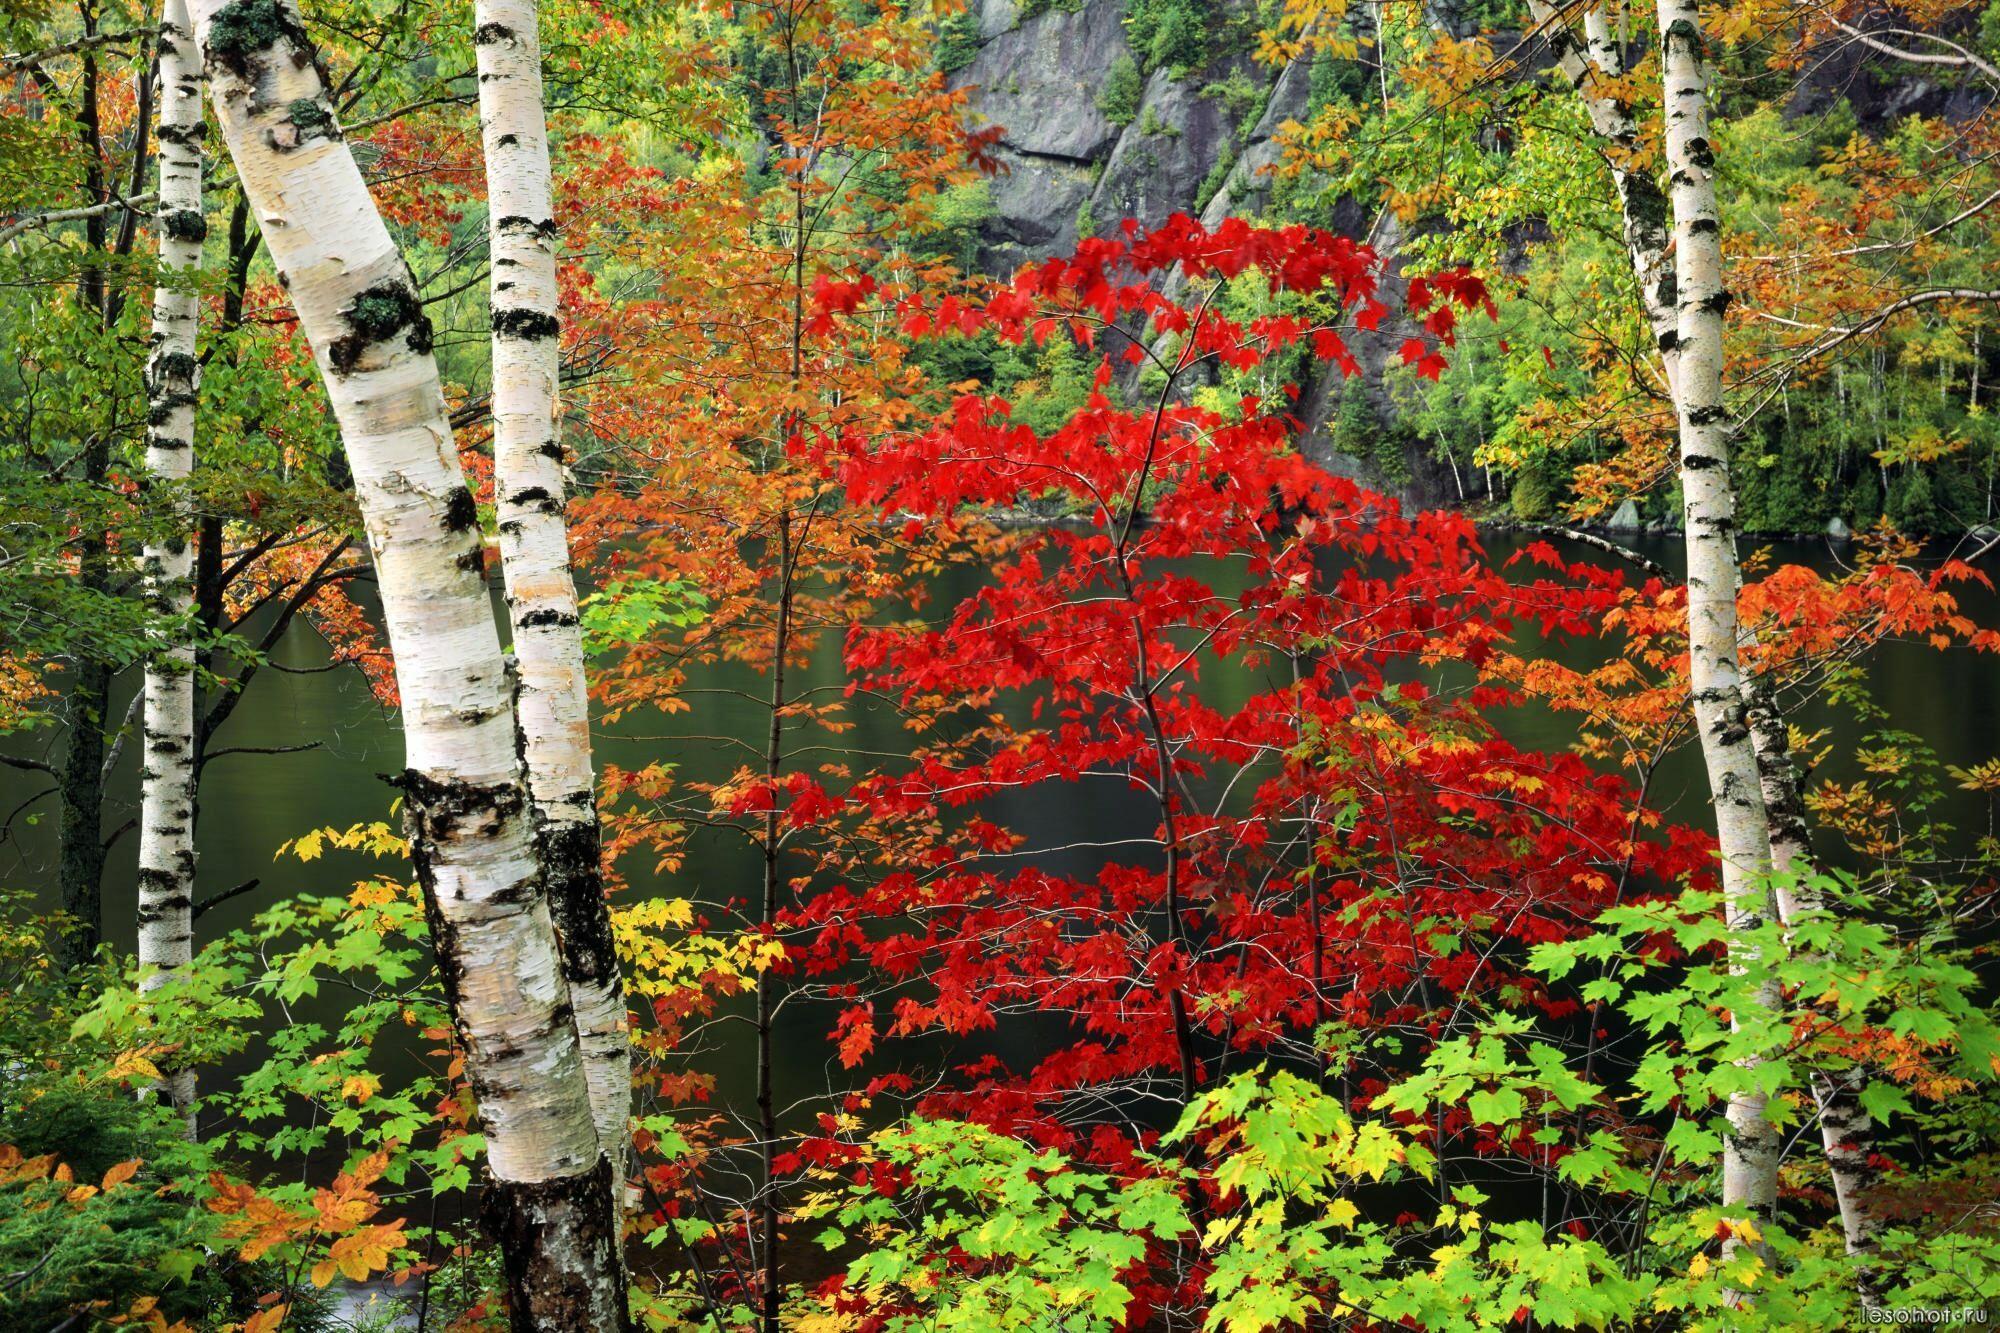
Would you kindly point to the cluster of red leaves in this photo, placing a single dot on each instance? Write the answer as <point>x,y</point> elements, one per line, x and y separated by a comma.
<point>1338,842</point>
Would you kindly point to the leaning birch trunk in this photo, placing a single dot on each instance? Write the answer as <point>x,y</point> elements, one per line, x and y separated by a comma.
<point>167,770</point>
<point>1847,1131</point>
<point>554,707</point>
<point>1594,65</point>
<point>1715,684</point>
<point>549,1200</point>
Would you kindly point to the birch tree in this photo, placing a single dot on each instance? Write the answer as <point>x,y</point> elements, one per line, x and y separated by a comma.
<point>1715,678</point>
<point>1847,1131</point>
<point>554,704</point>
<point>551,1199</point>
<point>1594,66</point>
<point>167,766</point>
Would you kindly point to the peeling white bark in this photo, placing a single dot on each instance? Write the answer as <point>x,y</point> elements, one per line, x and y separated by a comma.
<point>554,705</point>
<point>1590,66</point>
<point>550,1198</point>
<point>1750,1157</point>
<point>167,771</point>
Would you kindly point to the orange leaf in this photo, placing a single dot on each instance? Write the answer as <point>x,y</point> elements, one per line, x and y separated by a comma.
<point>359,1256</point>
<point>266,1321</point>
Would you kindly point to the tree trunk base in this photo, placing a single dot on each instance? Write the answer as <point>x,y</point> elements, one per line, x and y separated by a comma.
<point>557,1247</point>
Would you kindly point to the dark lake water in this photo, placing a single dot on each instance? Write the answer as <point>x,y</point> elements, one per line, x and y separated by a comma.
<point>253,803</point>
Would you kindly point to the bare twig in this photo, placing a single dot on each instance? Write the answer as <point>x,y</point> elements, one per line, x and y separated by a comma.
<point>216,900</point>
<point>1959,57</point>
<point>81,214</point>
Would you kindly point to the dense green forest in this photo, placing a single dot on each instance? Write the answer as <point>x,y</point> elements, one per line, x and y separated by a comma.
<point>1079,666</point>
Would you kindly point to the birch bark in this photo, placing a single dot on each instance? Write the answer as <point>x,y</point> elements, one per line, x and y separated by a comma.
<point>1593,65</point>
<point>550,1199</point>
<point>1847,1131</point>
<point>167,769</point>
<point>554,707</point>
<point>1750,1155</point>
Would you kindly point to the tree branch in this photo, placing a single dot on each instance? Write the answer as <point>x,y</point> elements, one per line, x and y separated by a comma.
<point>216,900</point>
<point>23,59</point>
<point>82,214</point>
<point>1960,59</point>
<point>117,747</point>
<point>1836,334</point>
<point>1611,548</point>
<point>7,824</point>
<point>257,749</point>
<point>120,832</point>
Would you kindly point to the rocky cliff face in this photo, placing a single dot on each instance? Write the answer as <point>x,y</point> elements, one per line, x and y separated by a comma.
<point>1080,152</point>
<point>1190,142</point>
<point>1093,130</point>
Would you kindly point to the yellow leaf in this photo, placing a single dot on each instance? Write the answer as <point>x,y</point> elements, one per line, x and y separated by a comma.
<point>132,1065</point>
<point>120,1173</point>
<point>364,1253</point>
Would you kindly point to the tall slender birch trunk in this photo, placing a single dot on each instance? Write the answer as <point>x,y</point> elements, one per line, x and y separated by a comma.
<point>554,705</point>
<point>1847,1132</point>
<point>550,1200</point>
<point>1594,66</point>
<point>1750,1156</point>
<point>167,766</point>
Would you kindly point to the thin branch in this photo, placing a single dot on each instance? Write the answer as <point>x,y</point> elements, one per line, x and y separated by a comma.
<point>216,900</point>
<point>120,832</point>
<point>7,824</point>
<point>448,99</point>
<point>257,749</point>
<point>1611,548</point>
<point>117,747</point>
<point>1836,334</point>
<point>81,214</point>
<point>24,59</point>
<point>1961,59</point>
<point>1971,212</point>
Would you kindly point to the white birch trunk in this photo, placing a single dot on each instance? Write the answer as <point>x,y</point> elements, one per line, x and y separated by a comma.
<point>1750,1157</point>
<point>549,1200</point>
<point>554,705</point>
<point>1847,1131</point>
<point>167,769</point>
<point>1591,65</point>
